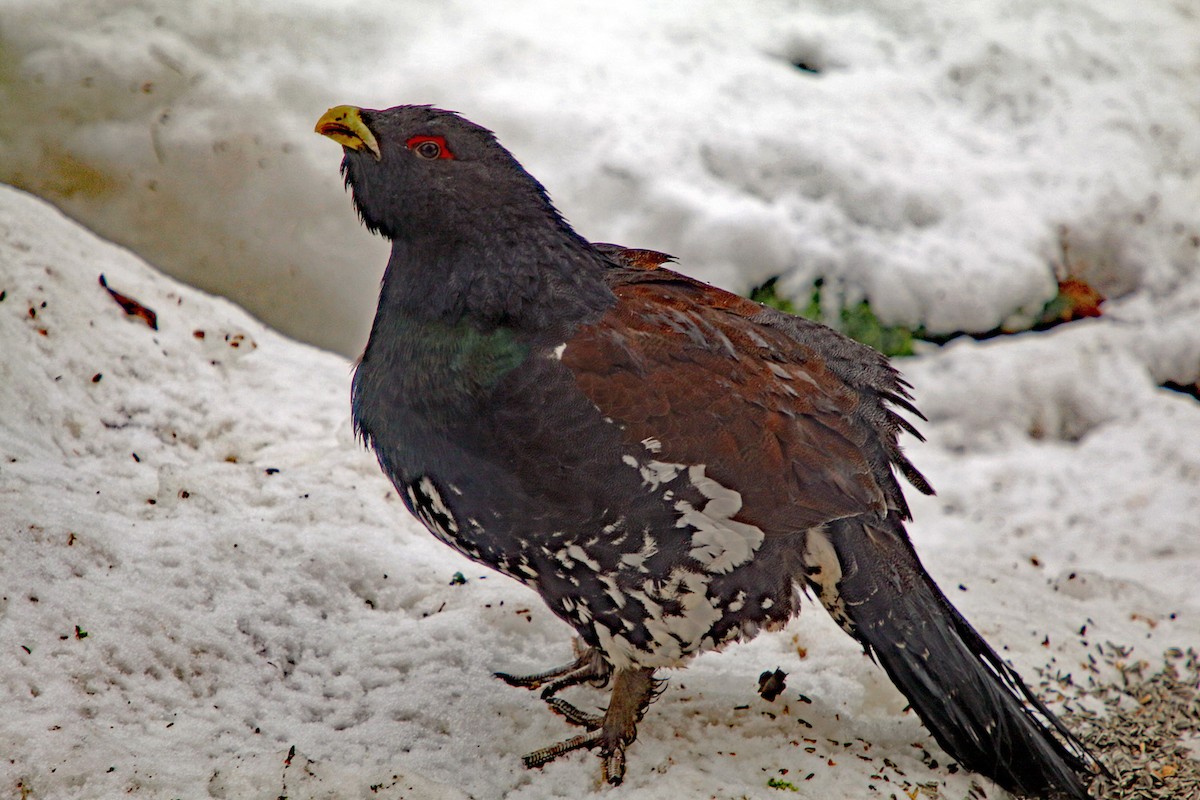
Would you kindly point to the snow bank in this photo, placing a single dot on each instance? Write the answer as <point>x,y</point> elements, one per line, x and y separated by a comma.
<point>922,155</point>
<point>209,587</point>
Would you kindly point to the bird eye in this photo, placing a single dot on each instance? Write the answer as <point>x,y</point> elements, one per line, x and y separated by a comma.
<point>430,150</point>
<point>429,147</point>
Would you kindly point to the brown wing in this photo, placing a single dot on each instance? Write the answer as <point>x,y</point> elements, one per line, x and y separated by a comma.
<point>632,257</point>
<point>694,376</point>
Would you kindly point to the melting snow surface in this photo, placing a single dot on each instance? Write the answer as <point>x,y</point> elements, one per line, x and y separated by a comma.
<point>208,588</point>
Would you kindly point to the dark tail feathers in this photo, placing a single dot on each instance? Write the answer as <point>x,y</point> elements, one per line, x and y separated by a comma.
<point>976,706</point>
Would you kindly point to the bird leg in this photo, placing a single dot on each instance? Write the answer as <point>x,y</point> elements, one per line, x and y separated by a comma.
<point>588,667</point>
<point>633,689</point>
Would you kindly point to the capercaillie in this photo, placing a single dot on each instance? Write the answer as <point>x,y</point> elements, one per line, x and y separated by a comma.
<point>668,465</point>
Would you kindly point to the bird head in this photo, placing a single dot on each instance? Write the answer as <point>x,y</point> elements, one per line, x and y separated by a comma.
<point>421,171</point>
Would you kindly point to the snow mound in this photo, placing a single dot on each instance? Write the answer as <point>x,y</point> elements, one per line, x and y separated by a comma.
<point>209,587</point>
<point>189,531</point>
<point>917,155</point>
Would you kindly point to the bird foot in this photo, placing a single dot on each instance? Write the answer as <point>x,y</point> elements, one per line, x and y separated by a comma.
<point>632,691</point>
<point>588,667</point>
<point>574,715</point>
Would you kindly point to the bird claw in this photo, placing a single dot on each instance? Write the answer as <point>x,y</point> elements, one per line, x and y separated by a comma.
<point>540,758</point>
<point>612,766</point>
<point>589,667</point>
<point>612,731</point>
<point>612,754</point>
<point>574,715</point>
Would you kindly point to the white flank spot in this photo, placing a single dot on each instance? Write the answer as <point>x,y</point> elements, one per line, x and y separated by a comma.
<point>719,542</point>
<point>558,351</point>
<point>428,506</point>
<point>615,526</point>
<point>613,590</point>
<point>620,651</point>
<point>820,556</point>
<point>738,602</point>
<point>564,557</point>
<point>655,473</point>
<point>638,560</point>
<point>579,554</point>
<point>678,635</point>
<point>699,613</point>
<point>435,501</point>
<point>826,571</point>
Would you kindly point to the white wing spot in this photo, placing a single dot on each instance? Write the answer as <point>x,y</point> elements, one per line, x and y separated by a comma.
<point>719,541</point>
<point>779,371</point>
<point>656,473</point>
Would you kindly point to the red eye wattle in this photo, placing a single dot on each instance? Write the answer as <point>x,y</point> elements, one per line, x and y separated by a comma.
<point>429,147</point>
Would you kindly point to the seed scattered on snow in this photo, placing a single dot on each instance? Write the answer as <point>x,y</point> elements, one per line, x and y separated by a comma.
<point>1138,723</point>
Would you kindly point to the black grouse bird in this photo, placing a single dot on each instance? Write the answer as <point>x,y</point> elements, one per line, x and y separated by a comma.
<point>665,463</point>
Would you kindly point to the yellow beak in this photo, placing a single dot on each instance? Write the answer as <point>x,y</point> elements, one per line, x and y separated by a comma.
<point>344,124</point>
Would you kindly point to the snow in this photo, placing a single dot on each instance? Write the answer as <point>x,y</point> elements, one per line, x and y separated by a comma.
<point>938,148</point>
<point>247,580</point>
